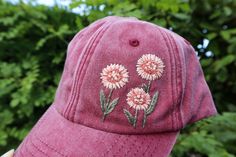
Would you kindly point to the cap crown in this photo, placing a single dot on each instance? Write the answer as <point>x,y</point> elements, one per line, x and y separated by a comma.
<point>127,76</point>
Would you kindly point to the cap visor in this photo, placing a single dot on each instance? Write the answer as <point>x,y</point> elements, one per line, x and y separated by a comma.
<point>53,135</point>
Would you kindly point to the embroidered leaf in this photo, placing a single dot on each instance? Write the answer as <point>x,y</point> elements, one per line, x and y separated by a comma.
<point>111,106</point>
<point>152,104</point>
<point>102,100</point>
<point>129,116</point>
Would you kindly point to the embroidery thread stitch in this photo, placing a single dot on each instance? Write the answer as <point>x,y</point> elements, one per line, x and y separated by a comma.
<point>138,99</point>
<point>149,67</point>
<point>113,76</point>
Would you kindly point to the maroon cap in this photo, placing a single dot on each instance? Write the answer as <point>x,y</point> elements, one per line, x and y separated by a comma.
<point>127,89</point>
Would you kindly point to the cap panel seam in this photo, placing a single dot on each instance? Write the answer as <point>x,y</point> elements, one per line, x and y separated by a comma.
<point>176,93</point>
<point>179,81</point>
<point>48,146</point>
<point>87,57</point>
<point>35,135</point>
<point>74,48</point>
<point>27,150</point>
<point>166,42</point>
<point>175,80</point>
<point>23,147</point>
<point>77,74</point>
<point>40,150</point>
<point>68,107</point>
<point>78,71</point>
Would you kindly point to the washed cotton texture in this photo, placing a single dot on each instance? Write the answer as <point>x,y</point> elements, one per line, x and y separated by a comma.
<point>127,89</point>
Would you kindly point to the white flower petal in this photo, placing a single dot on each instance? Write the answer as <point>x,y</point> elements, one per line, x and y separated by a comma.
<point>147,70</point>
<point>114,76</point>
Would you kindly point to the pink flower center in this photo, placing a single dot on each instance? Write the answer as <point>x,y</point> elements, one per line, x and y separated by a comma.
<point>150,67</point>
<point>114,76</point>
<point>139,99</point>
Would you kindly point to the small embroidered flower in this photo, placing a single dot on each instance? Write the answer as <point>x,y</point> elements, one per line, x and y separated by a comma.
<point>114,76</point>
<point>138,99</point>
<point>150,67</point>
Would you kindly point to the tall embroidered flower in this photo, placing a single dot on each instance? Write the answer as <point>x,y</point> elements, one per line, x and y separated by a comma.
<point>150,67</point>
<point>114,76</point>
<point>138,99</point>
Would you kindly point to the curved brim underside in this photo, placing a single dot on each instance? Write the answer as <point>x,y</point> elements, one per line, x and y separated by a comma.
<point>55,136</point>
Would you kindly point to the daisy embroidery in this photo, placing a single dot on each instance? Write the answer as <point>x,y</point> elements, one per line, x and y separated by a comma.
<point>114,76</point>
<point>149,67</point>
<point>138,99</point>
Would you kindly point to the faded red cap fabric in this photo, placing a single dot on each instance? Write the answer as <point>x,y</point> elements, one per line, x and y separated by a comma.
<point>127,89</point>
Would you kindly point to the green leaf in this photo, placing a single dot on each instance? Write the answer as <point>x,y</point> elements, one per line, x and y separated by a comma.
<point>152,104</point>
<point>224,62</point>
<point>181,16</point>
<point>102,100</point>
<point>111,106</point>
<point>129,116</point>
<point>228,11</point>
<point>3,138</point>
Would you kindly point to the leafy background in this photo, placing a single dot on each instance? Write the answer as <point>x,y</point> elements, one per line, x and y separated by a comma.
<point>33,42</point>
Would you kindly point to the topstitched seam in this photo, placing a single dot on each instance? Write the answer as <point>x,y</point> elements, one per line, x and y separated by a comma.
<point>68,109</point>
<point>79,70</point>
<point>179,80</point>
<point>22,147</point>
<point>50,147</point>
<point>74,48</point>
<point>89,55</point>
<point>165,39</point>
<point>26,149</point>
<point>40,150</point>
<point>176,80</point>
<point>77,74</point>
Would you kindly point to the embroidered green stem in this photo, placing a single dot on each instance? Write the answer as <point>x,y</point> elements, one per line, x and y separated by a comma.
<point>148,86</point>
<point>144,118</point>
<point>107,105</point>
<point>109,97</point>
<point>151,108</point>
<point>135,118</point>
<point>103,117</point>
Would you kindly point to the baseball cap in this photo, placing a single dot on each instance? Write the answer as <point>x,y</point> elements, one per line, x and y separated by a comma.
<point>127,89</point>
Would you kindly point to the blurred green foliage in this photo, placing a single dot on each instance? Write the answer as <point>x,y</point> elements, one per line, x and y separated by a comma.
<point>33,42</point>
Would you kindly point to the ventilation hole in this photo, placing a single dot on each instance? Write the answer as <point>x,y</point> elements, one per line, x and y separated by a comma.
<point>134,42</point>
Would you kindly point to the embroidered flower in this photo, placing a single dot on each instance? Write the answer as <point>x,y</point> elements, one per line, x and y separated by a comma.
<point>138,99</point>
<point>150,67</point>
<point>114,76</point>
